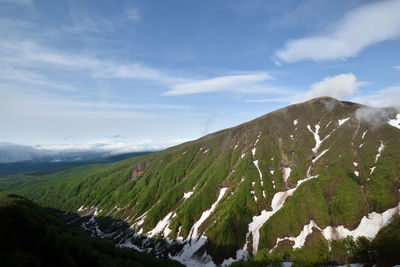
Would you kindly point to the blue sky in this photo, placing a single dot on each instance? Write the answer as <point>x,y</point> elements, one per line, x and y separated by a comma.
<point>134,75</point>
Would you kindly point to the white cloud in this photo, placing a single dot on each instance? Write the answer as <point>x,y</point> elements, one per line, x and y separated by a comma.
<point>230,83</point>
<point>397,67</point>
<point>10,73</point>
<point>338,87</point>
<point>388,97</point>
<point>113,147</point>
<point>31,54</point>
<point>362,27</point>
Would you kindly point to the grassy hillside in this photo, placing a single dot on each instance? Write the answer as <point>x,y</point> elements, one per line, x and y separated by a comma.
<point>342,191</point>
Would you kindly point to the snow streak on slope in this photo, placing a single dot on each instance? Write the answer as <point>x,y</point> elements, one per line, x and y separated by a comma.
<point>380,149</point>
<point>364,133</point>
<point>194,231</point>
<point>369,227</point>
<point>343,121</point>
<point>187,195</point>
<point>255,162</point>
<point>371,170</point>
<point>320,155</point>
<point>286,173</point>
<point>162,226</point>
<point>195,241</point>
<point>395,122</point>
<point>295,122</point>
<point>258,221</point>
<point>318,140</point>
<point>301,238</point>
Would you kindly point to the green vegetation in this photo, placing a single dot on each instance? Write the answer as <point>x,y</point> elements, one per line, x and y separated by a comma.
<point>156,183</point>
<point>31,236</point>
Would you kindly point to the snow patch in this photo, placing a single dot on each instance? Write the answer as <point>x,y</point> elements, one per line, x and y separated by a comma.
<point>187,195</point>
<point>96,212</point>
<point>286,173</point>
<point>371,170</point>
<point>162,226</point>
<point>343,121</point>
<point>295,122</point>
<point>395,122</point>
<point>242,156</point>
<point>291,136</point>
<point>253,151</point>
<point>380,149</point>
<point>272,172</point>
<point>357,173</point>
<point>258,221</point>
<point>205,151</point>
<point>329,123</point>
<point>194,231</point>
<point>361,145</point>
<point>369,227</point>
<point>318,140</point>
<point>355,164</point>
<point>235,147</point>
<point>320,155</point>
<point>81,208</point>
<point>255,162</point>
<point>300,240</point>
<point>364,133</point>
<point>194,242</point>
<point>140,220</point>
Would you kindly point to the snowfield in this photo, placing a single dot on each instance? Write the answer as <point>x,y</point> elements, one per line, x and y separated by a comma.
<point>369,227</point>
<point>395,122</point>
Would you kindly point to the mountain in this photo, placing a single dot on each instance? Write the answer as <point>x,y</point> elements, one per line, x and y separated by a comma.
<point>14,153</point>
<point>32,236</point>
<point>301,176</point>
<point>62,161</point>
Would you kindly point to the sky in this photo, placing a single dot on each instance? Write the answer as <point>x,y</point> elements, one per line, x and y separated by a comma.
<point>145,74</point>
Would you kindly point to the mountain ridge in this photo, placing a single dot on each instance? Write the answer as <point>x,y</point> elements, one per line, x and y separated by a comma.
<point>249,188</point>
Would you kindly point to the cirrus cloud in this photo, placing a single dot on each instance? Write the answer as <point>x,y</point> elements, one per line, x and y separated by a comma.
<point>230,82</point>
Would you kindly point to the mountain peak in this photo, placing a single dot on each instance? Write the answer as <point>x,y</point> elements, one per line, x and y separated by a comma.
<point>310,170</point>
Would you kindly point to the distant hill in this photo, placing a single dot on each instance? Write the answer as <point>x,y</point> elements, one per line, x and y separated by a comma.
<point>40,166</point>
<point>279,187</point>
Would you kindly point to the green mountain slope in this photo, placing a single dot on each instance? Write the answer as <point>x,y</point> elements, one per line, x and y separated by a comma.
<point>322,166</point>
